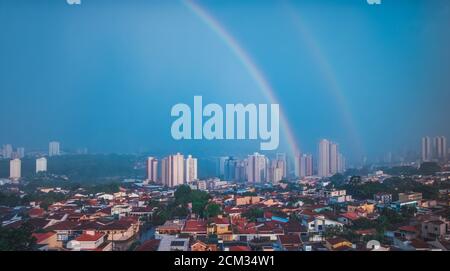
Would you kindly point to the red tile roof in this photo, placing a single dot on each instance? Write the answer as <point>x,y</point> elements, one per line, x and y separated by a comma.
<point>239,248</point>
<point>149,245</point>
<point>36,212</point>
<point>194,225</point>
<point>350,215</point>
<point>408,228</point>
<point>85,237</point>
<point>63,226</point>
<point>290,239</point>
<point>223,220</point>
<point>40,237</point>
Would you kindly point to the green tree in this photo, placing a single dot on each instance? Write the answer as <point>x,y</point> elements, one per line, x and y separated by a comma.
<point>429,168</point>
<point>183,195</point>
<point>19,239</point>
<point>253,214</point>
<point>337,179</point>
<point>212,210</point>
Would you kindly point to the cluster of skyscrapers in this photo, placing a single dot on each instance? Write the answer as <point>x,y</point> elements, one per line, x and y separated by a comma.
<point>434,149</point>
<point>15,164</point>
<point>331,161</point>
<point>8,152</point>
<point>304,165</point>
<point>256,168</point>
<point>175,170</point>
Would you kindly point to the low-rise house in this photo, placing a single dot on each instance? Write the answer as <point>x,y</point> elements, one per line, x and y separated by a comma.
<point>413,245</point>
<point>319,223</point>
<point>338,243</point>
<point>36,212</point>
<point>247,200</point>
<point>149,245</point>
<point>398,205</point>
<point>120,230</point>
<point>173,243</point>
<point>143,212</point>
<point>407,232</point>
<point>65,230</point>
<point>410,196</point>
<point>236,248</point>
<point>383,198</point>
<point>219,225</point>
<point>433,229</point>
<point>365,207</point>
<point>290,242</point>
<point>170,227</point>
<point>47,241</point>
<point>121,210</point>
<point>90,240</point>
<point>348,218</point>
<point>428,203</point>
<point>195,227</point>
<point>205,245</point>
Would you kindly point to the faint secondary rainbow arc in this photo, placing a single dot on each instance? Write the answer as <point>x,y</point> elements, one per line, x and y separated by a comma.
<point>329,75</point>
<point>248,63</point>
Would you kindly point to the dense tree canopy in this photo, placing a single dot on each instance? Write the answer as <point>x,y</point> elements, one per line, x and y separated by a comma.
<point>19,239</point>
<point>429,168</point>
<point>393,185</point>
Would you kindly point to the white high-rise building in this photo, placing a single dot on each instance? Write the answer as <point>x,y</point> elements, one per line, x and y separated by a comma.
<point>303,165</point>
<point>282,162</point>
<point>53,148</point>
<point>276,171</point>
<point>172,170</point>
<point>426,149</point>
<point>341,163</point>
<point>334,157</point>
<point>191,169</point>
<point>306,165</point>
<point>240,173</point>
<point>15,169</point>
<point>440,148</point>
<point>221,165</point>
<point>41,164</point>
<point>297,165</point>
<point>324,158</point>
<point>330,159</point>
<point>231,167</point>
<point>152,169</point>
<point>7,151</point>
<point>256,168</point>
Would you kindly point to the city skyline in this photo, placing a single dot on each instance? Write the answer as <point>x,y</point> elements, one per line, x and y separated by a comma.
<point>324,75</point>
<point>435,146</point>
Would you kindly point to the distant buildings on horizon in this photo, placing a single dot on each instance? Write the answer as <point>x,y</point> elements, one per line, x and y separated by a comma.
<point>434,149</point>
<point>53,148</point>
<point>175,169</point>
<point>331,161</point>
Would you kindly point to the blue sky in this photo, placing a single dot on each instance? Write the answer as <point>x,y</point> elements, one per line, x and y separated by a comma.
<point>104,74</point>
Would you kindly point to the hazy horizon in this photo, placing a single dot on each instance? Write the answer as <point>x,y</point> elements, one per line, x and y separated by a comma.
<point>105,74</point>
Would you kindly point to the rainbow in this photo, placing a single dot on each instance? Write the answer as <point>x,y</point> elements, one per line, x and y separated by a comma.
<point>256,74</point>
<point>328,74</point>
